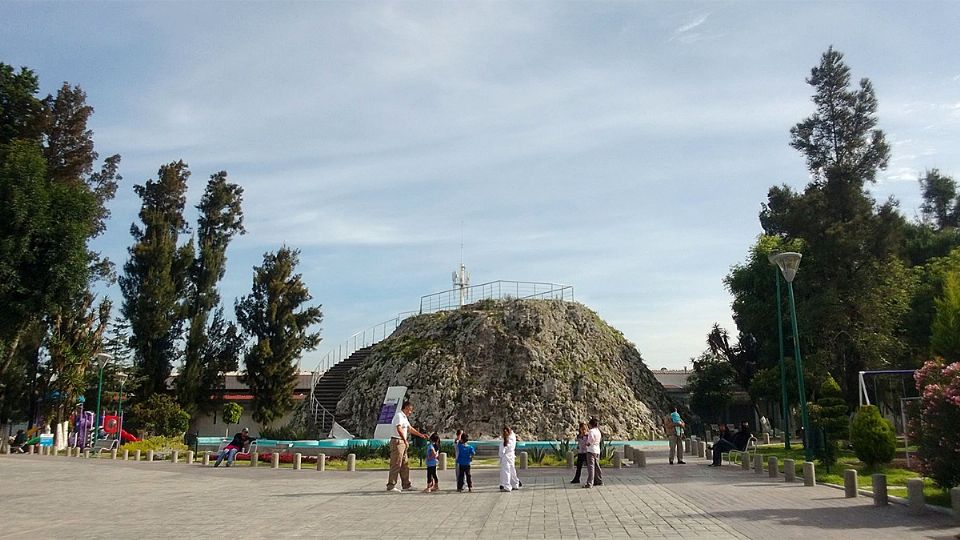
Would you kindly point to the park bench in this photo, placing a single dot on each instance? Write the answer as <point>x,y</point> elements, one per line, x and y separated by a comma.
<point>734,456</point>
<point>105,445</point>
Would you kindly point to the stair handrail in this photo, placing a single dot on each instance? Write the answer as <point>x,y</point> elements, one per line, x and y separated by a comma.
<point>321,413</point>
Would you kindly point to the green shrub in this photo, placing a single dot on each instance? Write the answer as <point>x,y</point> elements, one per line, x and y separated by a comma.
<point>160,414</point>
<point>559,451</point>
<point>362,450</point>
<point>157,444</point>
<point>288,432</point>
<point>872,437</point>
<point>830,416</point>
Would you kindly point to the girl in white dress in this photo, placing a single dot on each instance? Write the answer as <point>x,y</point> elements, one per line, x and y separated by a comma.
<point>508,455</point>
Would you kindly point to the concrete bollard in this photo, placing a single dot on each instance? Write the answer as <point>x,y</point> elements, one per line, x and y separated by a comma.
<point>149,456</point>
<point>745,461</point>
<point>628,452</point>
<point>86,454</point>
<point>789,470</point>
<point>255,459</point>
<point>915,495</point>
<point>687,446</point>
<point>773,469</point>
<point>189,457</point>
<point>708,453</point>
<point>206,458</point>
<point>322,462</point>
<point>297,461</point>
<point>31,448</point>
<point>618,460</point>
<point>113,453</point>
<point>351,462</point>
<point>955,502</point>
<point>175,456</point>
<point>851,488</point>
<point>275,460</point>
<point>570,458</point>
<point>523,460</point>
<point>69,451</point>
<point>809,474</point>
<point>442,461</point>
<point>640,458</point>
<point>880,490</point>
<point>701,448</point>
<point>126,454</point>
<point>758,463</point>
<point>766,438</point>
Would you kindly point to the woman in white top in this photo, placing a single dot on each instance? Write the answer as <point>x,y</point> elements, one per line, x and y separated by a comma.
<point>594,474</point>
<point>508,454</point>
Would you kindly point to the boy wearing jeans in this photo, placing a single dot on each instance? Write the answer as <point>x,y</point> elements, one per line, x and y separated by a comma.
<point>465,454</point>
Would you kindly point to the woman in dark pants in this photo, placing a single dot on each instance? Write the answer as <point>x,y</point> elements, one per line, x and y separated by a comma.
<point>581,451</point>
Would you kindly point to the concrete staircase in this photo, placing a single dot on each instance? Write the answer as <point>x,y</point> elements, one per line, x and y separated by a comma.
<point>330,388</point>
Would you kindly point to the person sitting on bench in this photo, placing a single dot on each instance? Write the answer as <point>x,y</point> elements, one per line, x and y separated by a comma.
<point>240,442</point>
<point>728,443</point>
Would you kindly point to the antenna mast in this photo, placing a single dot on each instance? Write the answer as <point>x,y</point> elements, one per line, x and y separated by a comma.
<point>461,278</point>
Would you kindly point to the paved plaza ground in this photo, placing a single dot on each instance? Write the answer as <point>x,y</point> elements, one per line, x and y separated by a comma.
<point>59,497</point>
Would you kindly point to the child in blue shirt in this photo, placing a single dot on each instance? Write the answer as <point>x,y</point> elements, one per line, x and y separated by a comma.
<point>465,454</point>
<point>433,458</point>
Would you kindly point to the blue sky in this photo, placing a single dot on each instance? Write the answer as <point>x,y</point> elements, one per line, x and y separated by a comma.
<point>624,148</point>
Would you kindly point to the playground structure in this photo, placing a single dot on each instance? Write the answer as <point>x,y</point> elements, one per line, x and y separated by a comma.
<point>892,402</point>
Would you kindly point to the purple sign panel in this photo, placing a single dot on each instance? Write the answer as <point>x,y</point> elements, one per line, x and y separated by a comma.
<point>387,413</point>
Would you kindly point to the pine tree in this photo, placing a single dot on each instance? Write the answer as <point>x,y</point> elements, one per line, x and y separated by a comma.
<point>275,314</point>
<point>156,276</point>
<point>221,218</point>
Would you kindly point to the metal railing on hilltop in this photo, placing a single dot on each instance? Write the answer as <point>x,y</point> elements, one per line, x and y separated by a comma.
<point>431,303</point>
<point>494,290</point>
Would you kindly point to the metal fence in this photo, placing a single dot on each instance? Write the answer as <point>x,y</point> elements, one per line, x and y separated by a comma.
<point>494,290</point>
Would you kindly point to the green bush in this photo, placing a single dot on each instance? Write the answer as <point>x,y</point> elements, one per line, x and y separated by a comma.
<point>872,437</point>
<point>160,414</point>
<point>830,416</point>
<point>288,432</point>
<point>559,451</point>
<point>362,450</point>
<point>157,444</point>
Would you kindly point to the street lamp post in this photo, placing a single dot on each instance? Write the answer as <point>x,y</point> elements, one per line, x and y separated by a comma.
<point>123,379</point>
<point>789,262</point>
<point>783,367</point>
<point>102,360</point>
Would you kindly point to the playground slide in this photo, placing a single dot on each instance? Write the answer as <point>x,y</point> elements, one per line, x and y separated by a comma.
<point>127,437</point>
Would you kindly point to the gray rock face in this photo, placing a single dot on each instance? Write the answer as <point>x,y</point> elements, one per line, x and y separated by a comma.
<point>541,366</point>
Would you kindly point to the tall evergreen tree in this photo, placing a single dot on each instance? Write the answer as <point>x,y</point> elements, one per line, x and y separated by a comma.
<point>56,204</point>
<point>221,218</point>
<point>276,316</point>
<point>853,286</point>
<point>156,276</point>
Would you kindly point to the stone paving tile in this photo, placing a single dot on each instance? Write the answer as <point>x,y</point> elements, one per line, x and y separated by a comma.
<point>58,497</point>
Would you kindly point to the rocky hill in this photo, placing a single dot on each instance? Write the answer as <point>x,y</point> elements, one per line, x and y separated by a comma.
<point>538,365</point>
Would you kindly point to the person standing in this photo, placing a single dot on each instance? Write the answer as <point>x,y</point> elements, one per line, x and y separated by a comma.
<point>465,454</point>
<point>398,449</point>
<point>508,467</point>
<point>581,451</point>
<point>594,474</point>
<point>674,425</point>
